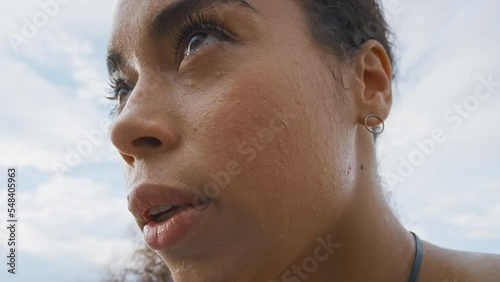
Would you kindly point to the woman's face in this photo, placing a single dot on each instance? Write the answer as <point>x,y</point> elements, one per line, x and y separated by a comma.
<point>246,112</point>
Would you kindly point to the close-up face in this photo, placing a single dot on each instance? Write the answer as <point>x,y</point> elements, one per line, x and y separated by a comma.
<point>250,140</point>
<point>234,106</point>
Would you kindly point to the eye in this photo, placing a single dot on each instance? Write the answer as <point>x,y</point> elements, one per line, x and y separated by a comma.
<point>200,40</point>
<point>196,32</point>
<point>119,90</point>
<point>122,94</point>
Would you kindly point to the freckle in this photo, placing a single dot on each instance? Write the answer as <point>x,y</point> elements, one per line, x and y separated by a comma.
<point>362,167</point>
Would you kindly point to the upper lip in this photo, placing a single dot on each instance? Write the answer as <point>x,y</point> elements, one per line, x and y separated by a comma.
<point>145,196</point>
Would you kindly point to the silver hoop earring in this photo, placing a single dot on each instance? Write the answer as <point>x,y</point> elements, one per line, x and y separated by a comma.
<point>377,117</point>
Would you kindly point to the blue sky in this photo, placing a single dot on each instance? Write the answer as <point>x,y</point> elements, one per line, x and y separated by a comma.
<point>441,166</point>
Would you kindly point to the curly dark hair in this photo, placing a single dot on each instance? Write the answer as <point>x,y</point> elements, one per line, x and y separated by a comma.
<point>344,25</point>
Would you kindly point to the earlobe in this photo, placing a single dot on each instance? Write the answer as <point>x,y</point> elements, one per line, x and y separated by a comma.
<point>374,73</point>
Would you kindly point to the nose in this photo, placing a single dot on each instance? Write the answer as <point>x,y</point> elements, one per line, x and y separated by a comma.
<point>142,134</point>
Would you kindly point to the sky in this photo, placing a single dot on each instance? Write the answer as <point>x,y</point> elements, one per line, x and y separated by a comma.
<point>439,155</point>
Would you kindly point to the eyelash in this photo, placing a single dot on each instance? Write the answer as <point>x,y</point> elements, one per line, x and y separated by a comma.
<point>191,25</point>
<point>115,85</point>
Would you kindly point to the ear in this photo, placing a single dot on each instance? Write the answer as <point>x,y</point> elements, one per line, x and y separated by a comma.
<point>373,80</point>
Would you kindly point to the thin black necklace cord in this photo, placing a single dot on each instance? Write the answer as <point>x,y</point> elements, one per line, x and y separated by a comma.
<point>418,259</point>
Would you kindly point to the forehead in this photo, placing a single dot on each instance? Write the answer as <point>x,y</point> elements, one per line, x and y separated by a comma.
<point>131,15</point>
<point>136,15</point>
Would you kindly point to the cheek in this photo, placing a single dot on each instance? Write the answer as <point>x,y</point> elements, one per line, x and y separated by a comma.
<point>269,123</point>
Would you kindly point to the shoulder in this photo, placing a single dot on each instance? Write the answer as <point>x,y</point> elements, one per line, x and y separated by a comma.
<point>445,265</point>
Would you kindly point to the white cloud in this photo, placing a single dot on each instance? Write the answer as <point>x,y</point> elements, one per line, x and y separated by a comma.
<point>472,211</point>
<point>88,18</point>
<point>443,57</point>
<point>76,217</point>
<point>445,47</point>
<point>41,120</point>
<point>44,116</point>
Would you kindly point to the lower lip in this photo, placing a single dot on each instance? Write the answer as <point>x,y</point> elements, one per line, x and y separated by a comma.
<point>166,234</point>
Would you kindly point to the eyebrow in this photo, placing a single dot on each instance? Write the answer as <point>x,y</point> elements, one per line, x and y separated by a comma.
<point>114,61</point>
<point>169,18</point>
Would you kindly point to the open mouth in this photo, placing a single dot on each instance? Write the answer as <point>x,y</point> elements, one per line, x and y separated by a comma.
<point>163,213</point>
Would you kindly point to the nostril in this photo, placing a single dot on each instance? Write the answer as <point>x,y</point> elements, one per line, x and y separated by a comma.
<point>147,142</point>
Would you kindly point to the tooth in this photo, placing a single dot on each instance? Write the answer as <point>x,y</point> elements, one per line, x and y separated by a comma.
<point>159,209</point>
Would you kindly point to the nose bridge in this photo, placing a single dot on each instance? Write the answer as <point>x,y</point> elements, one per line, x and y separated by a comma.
<point>144,127</point>
<point>151,87</point>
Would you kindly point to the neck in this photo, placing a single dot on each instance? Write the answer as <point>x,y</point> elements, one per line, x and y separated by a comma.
<point>372,245</point>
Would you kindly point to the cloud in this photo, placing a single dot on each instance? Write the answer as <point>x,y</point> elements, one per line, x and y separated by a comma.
<point>442,59</point>
<point>76,217</point>
<point>443,54</point>
<point>470,212</point>
<point>34,19</point>
<point>46,119</point>
<point>41,122</point>
<point>54,106</point>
